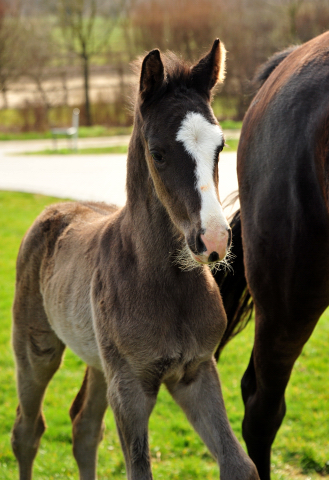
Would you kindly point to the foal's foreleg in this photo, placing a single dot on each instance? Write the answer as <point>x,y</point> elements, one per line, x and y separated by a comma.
<point>132,407</point>
<point>202,401</point>
<point>87,412</point>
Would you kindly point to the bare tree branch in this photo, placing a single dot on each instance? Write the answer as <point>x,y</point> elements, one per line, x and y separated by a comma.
<point>77,19</point>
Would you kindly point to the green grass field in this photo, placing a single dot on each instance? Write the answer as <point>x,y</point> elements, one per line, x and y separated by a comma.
<point>80,151</point>
<point>301,450</point>
<point>9,118</point>
<point>84,132</point>
<point>231,144</point>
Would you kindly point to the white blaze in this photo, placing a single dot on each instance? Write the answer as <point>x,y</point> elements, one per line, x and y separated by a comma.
<point>201,139</point>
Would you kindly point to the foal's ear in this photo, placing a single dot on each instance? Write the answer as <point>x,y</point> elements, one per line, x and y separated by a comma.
<point>152,74</point>
<point>210,69</point>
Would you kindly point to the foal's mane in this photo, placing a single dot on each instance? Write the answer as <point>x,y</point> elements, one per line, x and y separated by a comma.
<point>178,75</point>
<point>177,69</point>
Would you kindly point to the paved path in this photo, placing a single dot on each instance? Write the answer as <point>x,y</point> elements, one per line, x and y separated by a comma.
<point>81,177</point>
<point>16,146</point>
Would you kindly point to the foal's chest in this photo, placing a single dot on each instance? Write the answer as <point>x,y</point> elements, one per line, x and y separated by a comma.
<point>152,320</point>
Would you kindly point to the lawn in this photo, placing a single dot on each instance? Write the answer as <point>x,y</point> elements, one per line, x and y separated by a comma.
<point>80,151</point>
<point>9,118</point>
<point>231,145</point>
<point>300,450</point>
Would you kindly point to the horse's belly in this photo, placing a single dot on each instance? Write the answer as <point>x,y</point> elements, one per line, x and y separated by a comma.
<point>73,325</point>
<point>79,336</point>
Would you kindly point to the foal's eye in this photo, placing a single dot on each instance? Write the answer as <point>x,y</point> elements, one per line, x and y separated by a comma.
<point>219,149</point>
<point>157,157</point>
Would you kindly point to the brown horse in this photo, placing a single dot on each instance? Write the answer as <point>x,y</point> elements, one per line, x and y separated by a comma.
<point>108,283</point>
<point>283,159</point>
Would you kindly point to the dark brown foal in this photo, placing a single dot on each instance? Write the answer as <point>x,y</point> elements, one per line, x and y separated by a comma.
<point>109,284</point>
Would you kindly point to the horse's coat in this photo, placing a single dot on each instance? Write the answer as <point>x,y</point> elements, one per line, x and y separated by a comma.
<point>283,159</point>
<point>105,282</point>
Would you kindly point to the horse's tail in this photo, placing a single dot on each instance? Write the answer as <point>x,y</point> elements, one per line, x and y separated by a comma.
<point>265,70</point>
<point>233,287</point>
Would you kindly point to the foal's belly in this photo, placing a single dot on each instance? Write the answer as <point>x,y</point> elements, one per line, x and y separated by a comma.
<point>81,340</point>
<point>78,334</point>
<point>70,316</point>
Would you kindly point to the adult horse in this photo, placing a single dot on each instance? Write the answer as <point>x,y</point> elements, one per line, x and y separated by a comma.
<point>107,282</point>
<point>283,174</point>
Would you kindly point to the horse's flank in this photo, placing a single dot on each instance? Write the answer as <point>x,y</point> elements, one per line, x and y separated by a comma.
<point>283,160</point>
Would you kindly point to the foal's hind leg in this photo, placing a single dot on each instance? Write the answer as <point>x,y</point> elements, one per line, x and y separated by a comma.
<point>201,399</point>
<point>87,412</point>
<point>38,354</point>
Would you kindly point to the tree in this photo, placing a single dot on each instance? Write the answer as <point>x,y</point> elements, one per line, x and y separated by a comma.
<point>10,42</point>
<point>87,26</point>
<point>248,29</point>
<point>187,27</point>
<point>39,50</point>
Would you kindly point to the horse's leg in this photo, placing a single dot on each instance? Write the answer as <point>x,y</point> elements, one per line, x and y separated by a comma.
<point>201,399</point>
<point>38,354</point>
<point>276,348</point>
<point>132,403</point>
<point>87,412</point>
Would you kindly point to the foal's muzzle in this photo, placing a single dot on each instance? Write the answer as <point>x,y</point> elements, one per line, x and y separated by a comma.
<point>211,246</point>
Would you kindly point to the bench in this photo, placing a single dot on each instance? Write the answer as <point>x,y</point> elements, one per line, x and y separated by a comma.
<point>71,132</point>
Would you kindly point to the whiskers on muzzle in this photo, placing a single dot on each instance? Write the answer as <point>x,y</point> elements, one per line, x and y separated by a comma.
<point>185,261</point>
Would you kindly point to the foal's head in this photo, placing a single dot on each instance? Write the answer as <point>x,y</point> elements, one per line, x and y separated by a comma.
<point>182,141</point>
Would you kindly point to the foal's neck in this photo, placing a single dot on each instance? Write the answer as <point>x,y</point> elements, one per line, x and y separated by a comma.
<point>146,218</point>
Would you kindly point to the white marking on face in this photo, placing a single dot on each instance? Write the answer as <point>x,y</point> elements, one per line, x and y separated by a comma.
<point>201,139</point>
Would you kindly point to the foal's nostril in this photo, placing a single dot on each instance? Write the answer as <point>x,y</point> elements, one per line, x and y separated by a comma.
<point>213,257</point>
<point>229,241</point>
<point>200,246</point>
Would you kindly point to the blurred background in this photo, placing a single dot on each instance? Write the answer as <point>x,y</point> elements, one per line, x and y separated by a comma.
<point>59,54</point>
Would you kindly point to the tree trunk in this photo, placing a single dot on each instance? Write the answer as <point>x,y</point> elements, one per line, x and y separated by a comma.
<point>4,97</point>
<point>85,58</point>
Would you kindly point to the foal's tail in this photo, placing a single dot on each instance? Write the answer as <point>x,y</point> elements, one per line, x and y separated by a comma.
<point>234,290</point>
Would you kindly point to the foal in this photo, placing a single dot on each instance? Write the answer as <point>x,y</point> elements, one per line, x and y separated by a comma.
<point>105,282</point>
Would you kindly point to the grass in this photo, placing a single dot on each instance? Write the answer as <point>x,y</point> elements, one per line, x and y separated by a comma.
<point>84,132</point>
<point>301,450</point>
<point>11,119</point>
<point>80,151</point>
<point>230,124</point>
<point>231,145</point>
